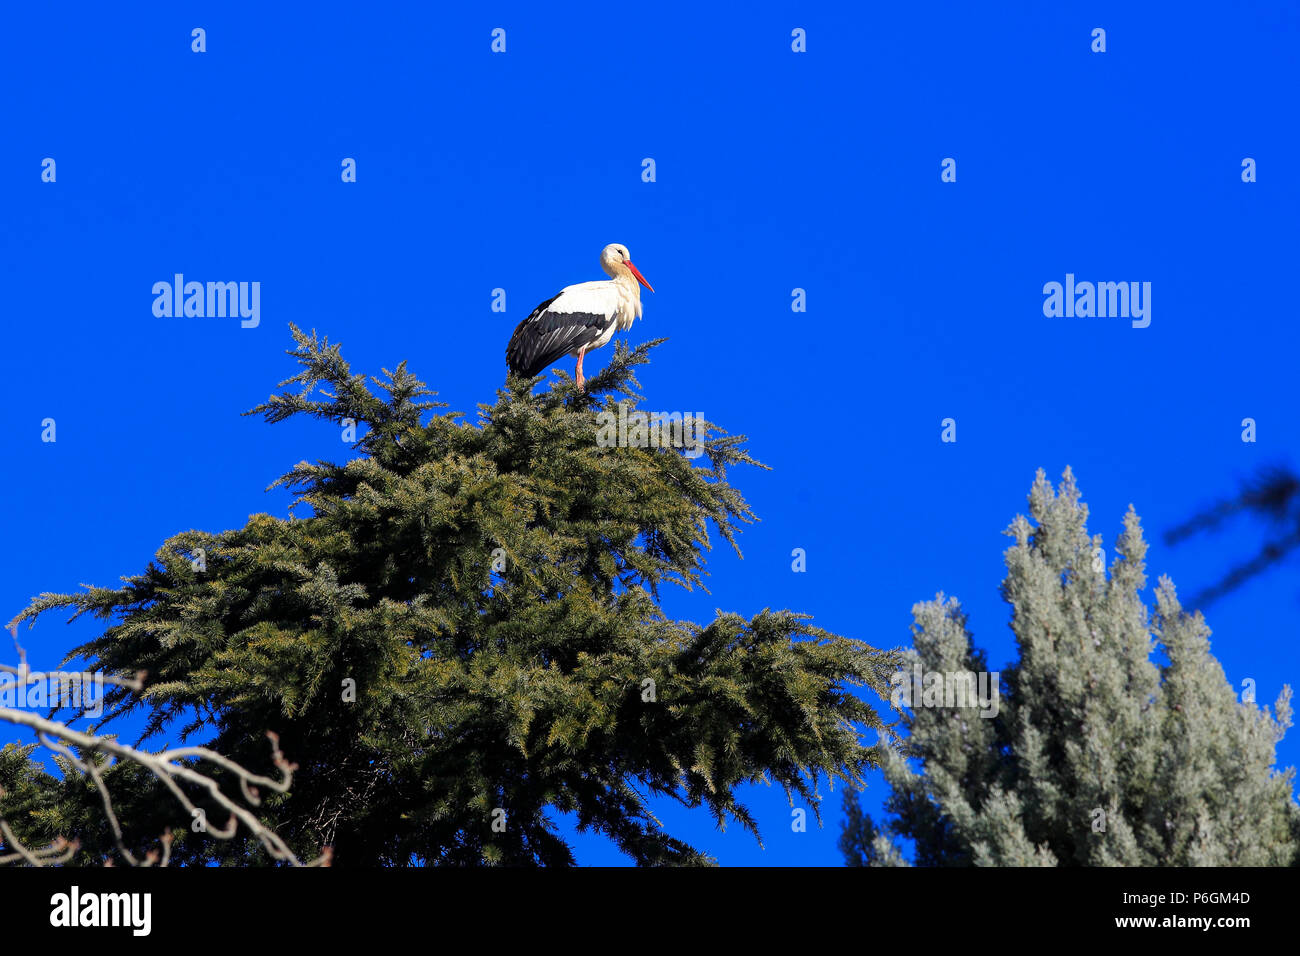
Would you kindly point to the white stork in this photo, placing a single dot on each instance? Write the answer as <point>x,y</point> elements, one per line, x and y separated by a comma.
<point>581,318</point>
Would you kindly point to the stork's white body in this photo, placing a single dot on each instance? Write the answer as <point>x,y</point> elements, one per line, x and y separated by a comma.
<point>618,300</point>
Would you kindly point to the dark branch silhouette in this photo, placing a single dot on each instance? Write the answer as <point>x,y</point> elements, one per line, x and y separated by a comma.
<point>1274,495</point>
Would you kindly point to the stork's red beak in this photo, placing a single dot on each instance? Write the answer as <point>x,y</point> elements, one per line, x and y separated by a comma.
<point>637,272</point>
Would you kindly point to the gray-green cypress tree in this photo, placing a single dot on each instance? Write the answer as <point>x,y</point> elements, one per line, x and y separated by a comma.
<point>1117,739</point>
<point>459,633</point>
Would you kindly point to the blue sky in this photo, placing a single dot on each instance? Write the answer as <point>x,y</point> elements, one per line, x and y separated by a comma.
<point>775,170</point>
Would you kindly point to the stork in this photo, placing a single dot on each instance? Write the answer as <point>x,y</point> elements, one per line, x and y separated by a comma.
<point>581,318</point>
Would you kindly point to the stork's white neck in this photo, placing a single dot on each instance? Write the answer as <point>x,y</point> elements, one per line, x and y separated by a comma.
<point>623,276</point>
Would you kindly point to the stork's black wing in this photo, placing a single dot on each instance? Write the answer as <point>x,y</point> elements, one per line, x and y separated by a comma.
<point>547,335</point>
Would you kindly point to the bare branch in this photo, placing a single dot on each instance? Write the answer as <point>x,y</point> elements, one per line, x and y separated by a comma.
<point>166,766</point>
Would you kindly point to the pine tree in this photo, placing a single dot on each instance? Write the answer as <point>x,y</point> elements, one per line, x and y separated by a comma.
<point>457,633</point>
<point>1097,754</point>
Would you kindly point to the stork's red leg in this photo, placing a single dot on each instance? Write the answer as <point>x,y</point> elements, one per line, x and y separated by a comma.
<point>581,380</point>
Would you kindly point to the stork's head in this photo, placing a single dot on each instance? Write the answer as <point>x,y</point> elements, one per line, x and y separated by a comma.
<point>616,262</point>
